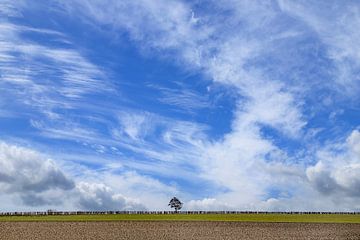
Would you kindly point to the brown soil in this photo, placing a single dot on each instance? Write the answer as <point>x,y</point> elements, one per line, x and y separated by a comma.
<point>176,230</point>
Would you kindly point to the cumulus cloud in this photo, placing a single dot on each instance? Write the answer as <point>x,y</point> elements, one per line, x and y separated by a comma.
<point>354,143</point>
<point>28,173</point>
<point>37,181</point>
<point>338,174</point>
<point>25,170</point>
<point>207,204</point>
<point>96,196</point>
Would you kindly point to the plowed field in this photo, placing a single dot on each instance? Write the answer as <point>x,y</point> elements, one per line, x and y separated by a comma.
<point>158,230</point>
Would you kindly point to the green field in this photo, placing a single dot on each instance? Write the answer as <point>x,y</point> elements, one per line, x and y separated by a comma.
<point>314,218</point>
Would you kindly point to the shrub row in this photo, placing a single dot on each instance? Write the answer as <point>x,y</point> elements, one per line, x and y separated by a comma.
<point>53,212</point>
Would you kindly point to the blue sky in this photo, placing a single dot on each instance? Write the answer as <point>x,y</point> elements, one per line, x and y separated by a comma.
<point>245,105</point>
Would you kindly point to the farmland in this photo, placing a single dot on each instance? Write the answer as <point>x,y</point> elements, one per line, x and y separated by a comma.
<point>158,230</point>
<point>167,225</point>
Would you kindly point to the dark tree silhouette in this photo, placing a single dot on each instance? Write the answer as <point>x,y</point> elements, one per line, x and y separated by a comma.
<point>175,203</point>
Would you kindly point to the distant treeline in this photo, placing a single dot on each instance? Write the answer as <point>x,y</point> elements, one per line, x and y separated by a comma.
<point>52,212</point>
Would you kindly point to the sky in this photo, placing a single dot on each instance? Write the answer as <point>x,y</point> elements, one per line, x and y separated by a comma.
<point>226,104</point>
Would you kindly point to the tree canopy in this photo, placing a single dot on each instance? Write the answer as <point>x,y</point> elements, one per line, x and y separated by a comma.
<point>175,203</point>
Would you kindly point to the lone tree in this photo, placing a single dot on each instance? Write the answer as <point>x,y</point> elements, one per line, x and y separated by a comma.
<point>175,203</point>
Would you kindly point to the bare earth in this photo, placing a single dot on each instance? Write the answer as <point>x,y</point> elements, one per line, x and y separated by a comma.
<point>158,230</point>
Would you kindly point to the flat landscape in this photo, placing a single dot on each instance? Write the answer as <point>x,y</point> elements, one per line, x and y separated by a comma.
<point>182,226</point>
<point>157,230</point>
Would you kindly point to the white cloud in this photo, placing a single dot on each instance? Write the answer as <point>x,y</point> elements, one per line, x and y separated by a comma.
<point>149,191</point>
<point>284,114</point>
<point>66,130</point>
<point>331,184</point>
<point>231,52</point>
<point>97,196</point>
<point>338,174</point>
<point>34,182</point>
<point>25,170</point>
<point>8,9</point>
<point>336,23</point>
<point>136,126</point>
<point>28,69</point>
<point>168,24</point>
<point>354,143</point>
<point>187,100</point>
<point>29,174</point>
<point>206,204</point>
<point>159,138</point>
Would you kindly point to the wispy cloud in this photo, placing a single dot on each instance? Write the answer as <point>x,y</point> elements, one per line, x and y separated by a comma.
<point>28,68</point>
<point>336,25</point>
<point>273,55</point>
<point>160,139</point>
<point>185,100</point>
<point>8,9</point>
